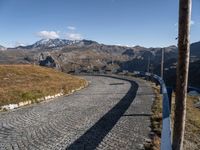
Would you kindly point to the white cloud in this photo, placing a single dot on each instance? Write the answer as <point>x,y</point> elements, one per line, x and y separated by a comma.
<point>73,36</point>
<point>12,44</point>
<point>48,34</point>
<point>16,44</point>
<point>124,45</point>
<point>192,22</point>
<point>71,28</point>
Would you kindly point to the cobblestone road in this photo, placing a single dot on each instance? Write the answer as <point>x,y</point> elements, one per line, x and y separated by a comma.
<point>109,114</point>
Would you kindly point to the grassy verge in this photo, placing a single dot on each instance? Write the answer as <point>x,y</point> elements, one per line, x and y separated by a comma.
<point>156,122</point>
<point>20,83</point>
<point>192,128</point>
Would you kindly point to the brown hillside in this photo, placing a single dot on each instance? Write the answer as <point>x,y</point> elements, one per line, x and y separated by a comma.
<point>27,82</point>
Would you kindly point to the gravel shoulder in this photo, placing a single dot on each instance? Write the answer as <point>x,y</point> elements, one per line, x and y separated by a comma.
<point>110,113</point>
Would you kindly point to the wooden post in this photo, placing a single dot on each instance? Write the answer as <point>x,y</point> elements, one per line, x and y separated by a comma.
<point>162,63</point>
<point>148,64</point>
<point>182,73</point>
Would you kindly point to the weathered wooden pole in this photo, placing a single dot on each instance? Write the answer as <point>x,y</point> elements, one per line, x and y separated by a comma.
<point>162,63</point>
<point>182,73</point>
<point>148,64</point>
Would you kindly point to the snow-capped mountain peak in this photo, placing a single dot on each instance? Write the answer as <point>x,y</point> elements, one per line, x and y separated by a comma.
<point>56,43</point>
<point>52,43</point>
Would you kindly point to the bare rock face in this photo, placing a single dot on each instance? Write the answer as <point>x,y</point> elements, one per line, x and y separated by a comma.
<point>47,60</point>
<point>129,52</point>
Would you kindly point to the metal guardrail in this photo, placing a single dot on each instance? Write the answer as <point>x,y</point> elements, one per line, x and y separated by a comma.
<point>191,88</point>
<point>166,143</point>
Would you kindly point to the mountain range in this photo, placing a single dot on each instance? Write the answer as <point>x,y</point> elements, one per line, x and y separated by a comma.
<point>54,44</point>
<point>87,55</point>
<point>2,48</point>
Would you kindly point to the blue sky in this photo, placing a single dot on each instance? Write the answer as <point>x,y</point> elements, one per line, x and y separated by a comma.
<point>149,23</point>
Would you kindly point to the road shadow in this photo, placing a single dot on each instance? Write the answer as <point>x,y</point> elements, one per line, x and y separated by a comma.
<point>137,115</point>
<point>93,136</point>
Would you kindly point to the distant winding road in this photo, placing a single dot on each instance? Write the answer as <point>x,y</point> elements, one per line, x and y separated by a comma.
<point>111,113</point>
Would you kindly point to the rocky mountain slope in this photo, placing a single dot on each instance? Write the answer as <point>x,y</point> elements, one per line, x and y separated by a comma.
<point>87,55</point>
<point>2,48</point>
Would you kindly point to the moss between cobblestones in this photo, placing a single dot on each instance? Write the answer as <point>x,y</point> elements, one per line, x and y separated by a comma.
<point>20,83</point>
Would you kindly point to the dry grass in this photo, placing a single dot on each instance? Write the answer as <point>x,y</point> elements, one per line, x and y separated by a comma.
<point>26,82</point>
<point>192,134</point>
<point>192,129</point>
<point>156,122</point>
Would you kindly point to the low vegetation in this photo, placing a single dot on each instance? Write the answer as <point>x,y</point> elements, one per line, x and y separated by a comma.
<point>192,140</point>
<point>192,133</point>
<point>192,129</point>
<point>20,83</point>
<point>156,122</point>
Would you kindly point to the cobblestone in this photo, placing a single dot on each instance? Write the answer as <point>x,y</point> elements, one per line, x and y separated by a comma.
<point>109,114</point>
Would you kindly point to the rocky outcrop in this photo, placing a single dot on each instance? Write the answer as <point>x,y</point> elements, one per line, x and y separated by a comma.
<point>47,60</point>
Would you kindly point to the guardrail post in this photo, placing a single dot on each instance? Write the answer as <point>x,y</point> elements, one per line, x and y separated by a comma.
<point>160,89</point>
<point>169,92</point>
